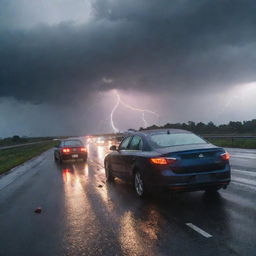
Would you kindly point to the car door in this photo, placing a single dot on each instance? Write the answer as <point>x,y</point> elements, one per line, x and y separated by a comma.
<point>131,155</point>
<point>117,159</point>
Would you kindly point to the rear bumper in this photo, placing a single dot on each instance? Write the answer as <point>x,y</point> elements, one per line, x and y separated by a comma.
<point>196,187</point>
<point>168,180</point>
<point>73,156</point>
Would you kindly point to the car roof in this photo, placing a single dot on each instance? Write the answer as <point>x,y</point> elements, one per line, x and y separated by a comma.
<point>157,131</point>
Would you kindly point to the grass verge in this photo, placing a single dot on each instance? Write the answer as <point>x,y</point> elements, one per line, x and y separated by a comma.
<point>10,158</point>
<point>234,142</point>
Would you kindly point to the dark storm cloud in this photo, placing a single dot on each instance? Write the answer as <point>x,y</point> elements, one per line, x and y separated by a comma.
<point>146,45</point>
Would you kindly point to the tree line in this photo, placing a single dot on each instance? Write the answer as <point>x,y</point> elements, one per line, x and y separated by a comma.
<point>233,127</point>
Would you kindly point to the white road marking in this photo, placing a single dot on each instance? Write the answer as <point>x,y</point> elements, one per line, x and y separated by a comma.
<point>199,230</point>
<point>248,173</point>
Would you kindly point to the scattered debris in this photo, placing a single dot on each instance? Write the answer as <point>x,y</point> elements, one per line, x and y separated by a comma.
<point>38,210</point>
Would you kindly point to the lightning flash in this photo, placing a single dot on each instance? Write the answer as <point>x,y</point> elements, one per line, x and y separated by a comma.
<point>113,111</point>
<point>142,111</point>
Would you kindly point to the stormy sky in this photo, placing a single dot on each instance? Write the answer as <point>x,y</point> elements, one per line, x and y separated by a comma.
<point>61,62</point>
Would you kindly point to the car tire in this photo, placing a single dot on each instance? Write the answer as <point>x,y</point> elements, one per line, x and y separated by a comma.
<point>108,172</point>
<point>55,158</point>
<point>85,159</point>
<point>139,185</point>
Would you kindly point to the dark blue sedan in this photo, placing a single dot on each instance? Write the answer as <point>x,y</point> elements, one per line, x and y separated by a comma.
<point>168,160</point>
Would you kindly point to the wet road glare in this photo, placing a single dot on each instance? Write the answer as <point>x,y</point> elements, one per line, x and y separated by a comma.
<point>84,215</point>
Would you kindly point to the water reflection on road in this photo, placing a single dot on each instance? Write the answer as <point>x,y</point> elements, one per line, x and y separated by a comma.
<point>79,217</point>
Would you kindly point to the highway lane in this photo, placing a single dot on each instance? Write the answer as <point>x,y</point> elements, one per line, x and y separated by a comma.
<point>83,215</point>
<point>243,159</point>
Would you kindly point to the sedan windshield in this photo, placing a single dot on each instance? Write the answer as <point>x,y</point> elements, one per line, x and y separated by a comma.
<point>169,140</point>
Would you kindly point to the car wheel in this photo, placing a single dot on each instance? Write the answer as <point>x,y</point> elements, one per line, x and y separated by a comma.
<point>55,158</point>
<point>139,185</point>
<point>108,172</point>
<point>85,159</point>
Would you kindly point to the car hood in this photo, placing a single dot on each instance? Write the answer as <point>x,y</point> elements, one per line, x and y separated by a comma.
<point>185,148</point>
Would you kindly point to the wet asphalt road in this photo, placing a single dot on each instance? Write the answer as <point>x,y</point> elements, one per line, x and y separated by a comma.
<point>82,215</point>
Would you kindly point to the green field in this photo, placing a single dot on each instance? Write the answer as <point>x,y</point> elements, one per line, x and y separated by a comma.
<point>10,158</point>
<point>234,142</point>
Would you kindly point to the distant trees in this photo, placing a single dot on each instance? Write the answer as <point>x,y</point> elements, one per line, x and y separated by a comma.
<point>16,138</point>
<point>245,127</point>
<point>12,140</point>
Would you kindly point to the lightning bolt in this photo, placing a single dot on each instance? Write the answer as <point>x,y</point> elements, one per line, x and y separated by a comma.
<point>113,111</point>
<point>144,120</point>
<point>143,111</point>
<point>120,101</point>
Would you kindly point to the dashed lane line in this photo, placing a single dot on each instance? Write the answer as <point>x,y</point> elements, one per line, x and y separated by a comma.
<point>198,230</point>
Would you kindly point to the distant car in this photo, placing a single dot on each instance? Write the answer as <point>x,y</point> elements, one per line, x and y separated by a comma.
<point>100,141</point>
<point>168,160</point>
<point>70,149</point>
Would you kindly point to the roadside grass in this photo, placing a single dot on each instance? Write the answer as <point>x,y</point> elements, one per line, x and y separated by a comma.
<point>234,142</point>
<point>10,158</point>
<point>16,141</point>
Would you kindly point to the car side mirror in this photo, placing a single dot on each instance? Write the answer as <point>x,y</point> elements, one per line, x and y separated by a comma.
<point>113,148</point>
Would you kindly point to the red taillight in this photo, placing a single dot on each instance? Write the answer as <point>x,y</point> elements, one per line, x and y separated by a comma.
<point>162,160</point>
<point>66,150</point>
<point>225,156</point>
<point>83,149</point>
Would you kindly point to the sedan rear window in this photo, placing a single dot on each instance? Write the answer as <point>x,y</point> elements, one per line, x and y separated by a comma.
<point>73,143</point>
<point>169,140</point>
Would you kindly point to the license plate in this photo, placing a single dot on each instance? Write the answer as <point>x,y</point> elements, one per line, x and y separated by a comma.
<point>203,178</point>
<point>75,155</point>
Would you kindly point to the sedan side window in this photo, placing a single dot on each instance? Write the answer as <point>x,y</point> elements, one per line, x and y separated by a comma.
<point>124,143</point>
<point>136,143</point>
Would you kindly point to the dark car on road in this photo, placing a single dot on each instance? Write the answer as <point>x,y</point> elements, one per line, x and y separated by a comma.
<point>172,159</point>
<point>70,149</point>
